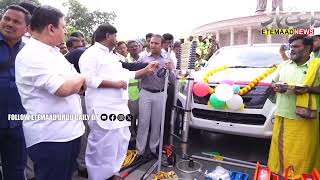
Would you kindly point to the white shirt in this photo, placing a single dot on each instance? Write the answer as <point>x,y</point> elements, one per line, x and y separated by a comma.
<point>144,52</point>
<point>40,70</point>
<point>172,57</point>
<point>26,38</point>
<point>98,63</point>
<point>121,58</point>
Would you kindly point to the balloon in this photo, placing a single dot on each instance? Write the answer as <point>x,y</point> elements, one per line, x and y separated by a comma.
<point>251,85</point>
<point>254,81</point>
<point>201,89</point>
<point>227,82</point>
<point>216,103</point>
<point>224,92</point>
<point>236,88</point>
<point>235,103</point>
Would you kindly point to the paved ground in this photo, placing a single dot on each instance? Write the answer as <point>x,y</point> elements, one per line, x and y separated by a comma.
<point>237,147</point>
<point>242,148</point>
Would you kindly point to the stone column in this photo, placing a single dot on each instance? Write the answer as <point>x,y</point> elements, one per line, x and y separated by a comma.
<point>231,36</point>
<point>269,39</point>
<point>217,35</point>
<point>249,35</point>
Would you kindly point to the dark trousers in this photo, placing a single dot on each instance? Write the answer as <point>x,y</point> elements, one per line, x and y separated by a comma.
<point>13,153</point>
<point>169,105</point>
<point>55,160</point>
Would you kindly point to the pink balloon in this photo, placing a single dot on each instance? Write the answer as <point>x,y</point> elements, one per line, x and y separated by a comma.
<point>201,89</point>
<point>227,82</point>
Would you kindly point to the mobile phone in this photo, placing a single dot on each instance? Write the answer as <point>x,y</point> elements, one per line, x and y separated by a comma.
<point>286,47</point>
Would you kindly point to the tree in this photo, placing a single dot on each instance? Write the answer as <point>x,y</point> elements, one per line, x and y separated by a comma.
<point>6,3</point>
<point>82,19</point>
<point>99,17</point>
<point>70,29</point>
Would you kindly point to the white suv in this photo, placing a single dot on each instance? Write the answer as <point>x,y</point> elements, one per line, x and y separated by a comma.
<point>247,62</point>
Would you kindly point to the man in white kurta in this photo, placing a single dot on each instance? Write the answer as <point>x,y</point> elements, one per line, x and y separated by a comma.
<point>106,94</point>
<point>49,85</point>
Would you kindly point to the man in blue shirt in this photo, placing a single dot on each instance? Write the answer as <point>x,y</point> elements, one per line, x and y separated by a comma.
<point>13,26</point>
<point>73,56</point>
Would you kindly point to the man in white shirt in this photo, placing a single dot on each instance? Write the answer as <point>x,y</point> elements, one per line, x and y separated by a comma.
<point>147,49</point>
<point>122,51</point>
<point>29,6</point>
<point>49,84</point>
<point>107,94</point>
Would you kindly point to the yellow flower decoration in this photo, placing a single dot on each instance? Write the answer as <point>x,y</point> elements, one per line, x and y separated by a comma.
<point>245,89</point>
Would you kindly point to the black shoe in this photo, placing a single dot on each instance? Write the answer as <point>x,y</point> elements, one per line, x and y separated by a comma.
<point>114,177</point>
<point>152,156</point>
<point>139,158</point>
<point>83,173</point>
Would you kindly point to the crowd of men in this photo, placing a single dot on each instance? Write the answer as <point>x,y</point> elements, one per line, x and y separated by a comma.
<point>41,74</point>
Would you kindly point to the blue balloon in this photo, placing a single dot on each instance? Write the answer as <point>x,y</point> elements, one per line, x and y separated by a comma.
<point>236,88</point>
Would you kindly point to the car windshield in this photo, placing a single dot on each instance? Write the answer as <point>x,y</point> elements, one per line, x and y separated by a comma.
<point>254,56</point>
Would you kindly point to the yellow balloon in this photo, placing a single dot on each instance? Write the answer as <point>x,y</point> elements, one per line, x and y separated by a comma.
<point>255,81</point>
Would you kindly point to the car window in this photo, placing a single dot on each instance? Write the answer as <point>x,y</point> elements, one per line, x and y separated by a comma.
<point>246,56</point>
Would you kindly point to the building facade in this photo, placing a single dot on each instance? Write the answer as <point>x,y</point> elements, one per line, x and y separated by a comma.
<point>247,30</point>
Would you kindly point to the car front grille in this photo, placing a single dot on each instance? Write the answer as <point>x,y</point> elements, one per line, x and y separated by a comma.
<point>251,119</point>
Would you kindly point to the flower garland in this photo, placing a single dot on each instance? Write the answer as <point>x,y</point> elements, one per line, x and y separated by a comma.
<point>245,89</point>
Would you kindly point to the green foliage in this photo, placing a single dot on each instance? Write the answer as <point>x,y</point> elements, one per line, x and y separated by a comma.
<point>70,29</point>
<point>85,21</point>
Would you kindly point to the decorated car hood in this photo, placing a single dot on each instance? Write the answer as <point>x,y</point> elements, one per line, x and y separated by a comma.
<point>234,74</point>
